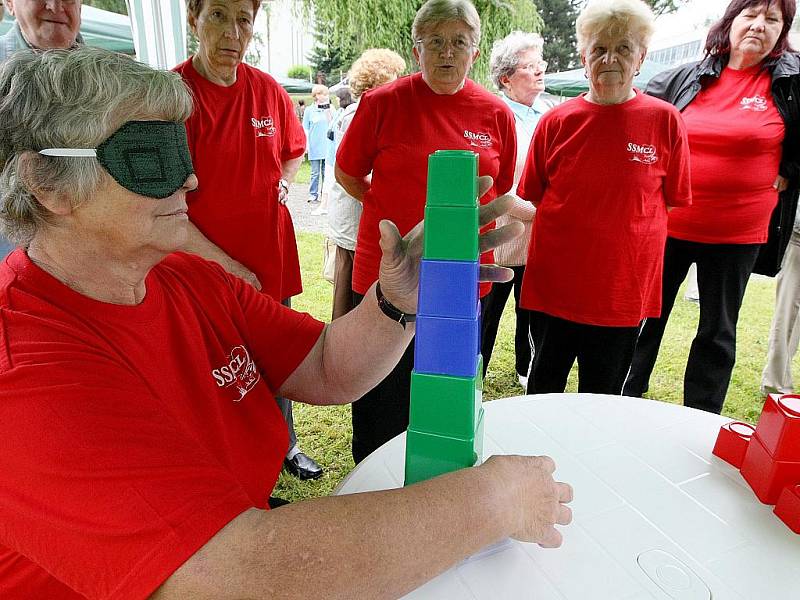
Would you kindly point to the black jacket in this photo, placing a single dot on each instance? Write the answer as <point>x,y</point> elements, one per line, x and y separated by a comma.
<point>681,85</point>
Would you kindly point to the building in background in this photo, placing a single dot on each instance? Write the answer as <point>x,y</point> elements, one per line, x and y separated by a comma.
<point>283,36</point>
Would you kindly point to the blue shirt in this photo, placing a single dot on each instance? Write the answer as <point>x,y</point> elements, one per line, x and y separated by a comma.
<point>315,123</point>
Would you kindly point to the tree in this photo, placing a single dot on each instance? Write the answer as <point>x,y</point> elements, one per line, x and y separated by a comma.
<point>299,72</point>
<point>352,26</point>
<point>117,6</point>
<point>560,49</point>
<point>663,7</point>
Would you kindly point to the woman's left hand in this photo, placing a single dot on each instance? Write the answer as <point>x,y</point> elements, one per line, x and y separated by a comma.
<point>399,268</point>
<point>781,183</point>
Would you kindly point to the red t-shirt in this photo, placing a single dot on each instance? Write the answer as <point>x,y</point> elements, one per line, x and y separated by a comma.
<point>735,138</point>
<point>131,434</point>
<point>239,136</point>
<point>603,177</point>
<point>394,130</point>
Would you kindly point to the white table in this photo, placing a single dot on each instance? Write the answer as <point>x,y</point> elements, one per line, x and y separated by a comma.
<point>656,515</point>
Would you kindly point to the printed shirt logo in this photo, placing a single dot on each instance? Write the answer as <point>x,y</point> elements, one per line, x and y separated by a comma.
<point>755,104</point>
<point>265,127</point>
<point>239,373</point>
<point>642,153</point>
<point>479,140</point>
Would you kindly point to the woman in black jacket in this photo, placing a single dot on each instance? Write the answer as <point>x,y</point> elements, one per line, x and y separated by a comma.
<point>740,105</point>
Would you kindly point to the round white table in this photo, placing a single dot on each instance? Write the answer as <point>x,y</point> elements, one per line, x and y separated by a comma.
<point>656,515</point>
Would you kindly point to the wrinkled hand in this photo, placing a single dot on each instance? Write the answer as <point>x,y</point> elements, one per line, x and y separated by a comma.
<point>236,268</point>
<point>781,183</point>
<point>399,268</point>
<point>539,502</point>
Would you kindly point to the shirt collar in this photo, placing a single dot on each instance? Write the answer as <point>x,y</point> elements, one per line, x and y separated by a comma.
<point>524,112</point>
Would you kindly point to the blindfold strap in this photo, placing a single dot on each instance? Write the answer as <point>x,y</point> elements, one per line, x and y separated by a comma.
<point>70,152</point>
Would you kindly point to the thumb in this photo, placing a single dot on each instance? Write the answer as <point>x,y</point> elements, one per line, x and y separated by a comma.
<point>391,243</point>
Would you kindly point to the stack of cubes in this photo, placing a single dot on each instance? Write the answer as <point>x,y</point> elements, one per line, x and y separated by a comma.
<point>769,456</point>
<point>445,431</point>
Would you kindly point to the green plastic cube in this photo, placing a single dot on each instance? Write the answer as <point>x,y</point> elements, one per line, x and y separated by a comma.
<point>445,405</point>
<point>452,178</point>
<point>451,233</point>
<point>429,455</point>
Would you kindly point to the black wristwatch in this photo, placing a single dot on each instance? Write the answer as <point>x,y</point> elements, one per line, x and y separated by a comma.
<point>391,311</point>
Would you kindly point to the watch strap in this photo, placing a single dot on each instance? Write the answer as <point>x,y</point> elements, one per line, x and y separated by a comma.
<point>391,311</point>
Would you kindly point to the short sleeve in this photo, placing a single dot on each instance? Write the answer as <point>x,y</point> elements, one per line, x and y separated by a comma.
<point>678,180</point>
<point>533,181</point>
<point>508,154</point>
<point>279,337</point>
<point>359,147</point>
<point>294,140</point>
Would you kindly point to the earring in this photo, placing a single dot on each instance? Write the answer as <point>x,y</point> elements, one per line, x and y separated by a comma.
<point>585,75</point>
<point>638,72</point>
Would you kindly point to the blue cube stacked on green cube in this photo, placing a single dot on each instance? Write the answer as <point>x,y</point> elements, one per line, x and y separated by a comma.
<point>445,431</point>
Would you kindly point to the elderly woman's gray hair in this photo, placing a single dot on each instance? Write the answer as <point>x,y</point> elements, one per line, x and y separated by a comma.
<point>631,16</point>
<point>434,12</point>
<point>506,54</point>
<point>70,99</point>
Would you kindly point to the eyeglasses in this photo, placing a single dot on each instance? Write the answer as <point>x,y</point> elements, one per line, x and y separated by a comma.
<point>437,43</point>
<point>534,67</point>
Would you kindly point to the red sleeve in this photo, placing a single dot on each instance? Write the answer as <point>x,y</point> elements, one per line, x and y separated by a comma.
<point>102,490</point>
<point>279,337</point>
<point>359,146</point>
<point>294,140</point>
<point>678,181</point>
<point>508,154</point>
<point>533,181</point>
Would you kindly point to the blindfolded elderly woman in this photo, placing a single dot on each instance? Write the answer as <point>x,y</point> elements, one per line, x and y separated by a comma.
<point>246,145</point>
<point>395,129</point>
<point>741,106</point>
<point>603,169</point>
<point>518,72</point>
<point>141,439</point>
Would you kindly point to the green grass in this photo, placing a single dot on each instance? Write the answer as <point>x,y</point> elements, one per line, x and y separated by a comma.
<point>304,173</point>
<point>324,432</point>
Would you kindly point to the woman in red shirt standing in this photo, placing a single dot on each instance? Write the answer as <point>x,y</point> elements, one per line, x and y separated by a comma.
<point>602,171</point>
<point>394,130</point>
<point>740,105</point>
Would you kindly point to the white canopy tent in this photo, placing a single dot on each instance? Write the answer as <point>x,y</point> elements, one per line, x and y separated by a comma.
<point>159,31</point>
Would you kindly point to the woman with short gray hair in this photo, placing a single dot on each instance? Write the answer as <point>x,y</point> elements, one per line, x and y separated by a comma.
<point>517,70</point>
<point>106,101</point>
<point>435,12</point>
<point>603,170</point>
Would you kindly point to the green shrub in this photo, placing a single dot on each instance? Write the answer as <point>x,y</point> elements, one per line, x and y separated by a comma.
<point>300,72</point>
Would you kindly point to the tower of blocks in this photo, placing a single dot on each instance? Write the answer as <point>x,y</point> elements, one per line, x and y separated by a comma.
<point>445,431</point>
<point>769,455</point>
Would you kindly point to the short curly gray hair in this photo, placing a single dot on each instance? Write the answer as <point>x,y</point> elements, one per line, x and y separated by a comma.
<point>70,99</point>
<point>631,16</point>
<point>434,12</point>
<point>506,52</point>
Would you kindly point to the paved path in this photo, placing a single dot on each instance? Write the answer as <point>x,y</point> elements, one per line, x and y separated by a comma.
<point>301,209</point>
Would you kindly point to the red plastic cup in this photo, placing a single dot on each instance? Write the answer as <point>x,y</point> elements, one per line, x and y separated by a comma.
<point>779,426</point>
<point>766,475</point>
<point>732,442</point>
<point>788,507</point>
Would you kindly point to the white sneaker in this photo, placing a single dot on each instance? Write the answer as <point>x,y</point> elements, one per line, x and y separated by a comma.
<point>523,381</point>
<point>319,211</point>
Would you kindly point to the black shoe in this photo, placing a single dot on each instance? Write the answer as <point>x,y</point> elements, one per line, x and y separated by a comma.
<point>302,467</point>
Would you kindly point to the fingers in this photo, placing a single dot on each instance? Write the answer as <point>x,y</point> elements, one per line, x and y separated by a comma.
<point>565,493</point>
<point>547,464</point>
<point>391,242</point>
<point>551,539</point>
<point>499,206</point>
<point>564,515</point>
<point>495,274</point>
<point>484,185</point>
<point>501,235</point>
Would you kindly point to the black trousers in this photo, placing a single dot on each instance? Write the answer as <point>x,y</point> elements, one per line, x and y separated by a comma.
<point>722,274</point>
<point>603,355</point>
<point>382,413</point>
<point>494,305</point>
